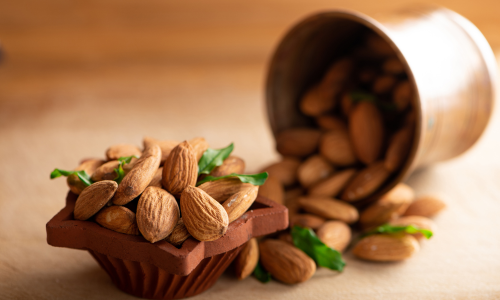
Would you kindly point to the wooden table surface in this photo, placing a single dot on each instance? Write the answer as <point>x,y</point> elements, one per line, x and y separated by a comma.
<point>78,76</point>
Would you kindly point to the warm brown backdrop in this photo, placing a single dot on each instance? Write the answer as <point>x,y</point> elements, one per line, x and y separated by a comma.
<point>78,76</point>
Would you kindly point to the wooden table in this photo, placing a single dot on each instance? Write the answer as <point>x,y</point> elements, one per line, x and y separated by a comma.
<point>80,76</point>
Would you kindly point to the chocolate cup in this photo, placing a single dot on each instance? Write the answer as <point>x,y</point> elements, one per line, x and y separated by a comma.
<point>160,270</point>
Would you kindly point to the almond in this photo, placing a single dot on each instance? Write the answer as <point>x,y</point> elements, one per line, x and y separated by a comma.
<point>367,75</point>
<point>180,169</point>
<point>366,130</point>
<point>200,145</point>
<point>93,198</point>
<point>333,185</point>
<point>122,150</point>
<point>377,45</point>
<point>383,84</point>
<point>179,234</point>
<point>238,204</point>
<point>327,122</point>
<point>157,214</point>
<point>319,99</point>
<point>346,104</point>
<point>384,247</point>
<point>291,200</point>
<point>74,183</point>
<point>119,219</point>
<point>335,234</point>
<point>337,148</point>
<point>313,170</point>
<point>339,71</point>
<point>306,220</point>
<point>365,182</point>
<point>388,207</point>
<point>329,208</point>
<point>425,206</point>
<point>402,95</point>
<point>137,179</point>
<point>284,171</point>
<point>106,171</point>
<point>222,189</point>
<point>420,222</point>
<point>232,164</point>
<point>297,141</point>
<point>247,259</point>
<point>285,262</point>
<point>286,237</point>
<point>393,66</point>
<point>156,181</point>
<point>166,146</point>
<point>272,189</point>
<point>397,151</point>
<point>205,218</point>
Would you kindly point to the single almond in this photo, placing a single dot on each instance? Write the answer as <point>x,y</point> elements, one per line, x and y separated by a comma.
<point>139,177</point>
<point>200,145</point>
<point>378,46</point>
<point>285,171</point>
<point>157,214</point>
<point>89,166</point>
<point>232,164</point>
<point>335,234</point>
<point>389,207</point>
<point>384,247</point>
<point>222,189</point>
<point>393,65</point>
<point>327,122</point>
<point>156,181</point>
<point>285,262</point>
<point>366,130</point>
<point>247,259</point>
<point>93,198</point>
<point>402,95</point>
<point>365,182</point>
<point>297,141</point>
<point>418,221</point>
<point>180,169</point>
<point>238,204</point>
<point>425,206</point>
<point>383,84</point>
<point>119,219</point>
<point>346,104</point>
<point>106,171</point>
<point>313,170</point>
<point>398,149</point>
<point>329,208</point>
<point>179,234</point>
<point>306,221</point>
<point>204,217</point>
<point>166,146</point>
<point>286,237</point>
<point>367,75</point>
<point>339,71</point>
<point>319,99</point>
<point>122,150</point>
<point>292,201</point>
<point>272,189</point>
<point>336,147</point>
<point>333,185</point>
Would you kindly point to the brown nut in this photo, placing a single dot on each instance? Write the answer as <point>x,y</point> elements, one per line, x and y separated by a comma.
<point>232,164</point>
<point>180,169</point>
<point>272,189</point>
<point>156,181</point>
<point>365,182</point>
<point>319,99</point>
<point>333,185</point>
<point>166,146</point>
<point>222,189</point>
<point>179,234</point>
<point>297,141</point>
<point>106,171</point>
<point>329,208</point>
<point>366,131</point>
<point>418,221</point>
<point>119,219</point>
<point>398,149</point>
<point>247,259</point>
<point>122,150</point>
<point>89,166</point>
<point>238,204</point>
<point>327,122</point>
<point>384,247</point>
<point>313,170</point>
<point>384,84</point>
<point>335,234</point>
<point>306,220</point>
<point>200,145</point>
<point>285,171</point>
<point>336,147</point>
<point>393,66</point>
<point>425,206</point>
<point>93,198</point>
<point>402,95</point>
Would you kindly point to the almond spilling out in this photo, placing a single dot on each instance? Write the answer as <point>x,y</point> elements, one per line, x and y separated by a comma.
<point>366,129</point>
<point>384,247</point>
<point>179,234</point>
<point>365,182</point>
<point>272,189</point>
<point>398,149</point>
<point>335,234</point>
<point>89,166</point>
<point>238,204</point>
<point>222,189</point>
<point>247,259</point>
<point>418,221</point>
<point>93,198</point>
<point>285,262</point>
<point>122,150</point>
<point>119,219</point>
<point>157,214</point>
<point>425,206</point>
<point>285,171</point>
<point>200,145</point>
<point>298,141</point>
<point>313,170</point>
<point>306,221</point>
<point>204,217</point>
<point>137,179</point>
<point>180,169</point>
<point>336,147</point>
<point>333,185</point>
<point>106,171</point>
<point>329,208</point>
<point>232,164</point>
<point>166,146</point>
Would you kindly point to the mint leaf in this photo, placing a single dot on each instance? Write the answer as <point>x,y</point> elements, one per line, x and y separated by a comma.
<point>213,158</point>
<point>261,274</point>
<point>358,96</point>
<point>119,171</point>
<point>84,177</point>
<point>390,229</point>
<point>306,240</point>
<point>255,179</point>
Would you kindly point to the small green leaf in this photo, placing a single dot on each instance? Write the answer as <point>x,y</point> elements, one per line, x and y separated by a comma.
<point>255,179</point>
<point>261,274</point>
<point>213,158</point>
<point>390,229</point>
<point>58,173</point>
<point>359,96</point>
<point>126,159</point>
<point>306,240</point>
<point>120,173</point>
<point>84,177</point>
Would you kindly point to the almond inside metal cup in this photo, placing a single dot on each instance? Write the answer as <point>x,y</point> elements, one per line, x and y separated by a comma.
<point>447,60</point>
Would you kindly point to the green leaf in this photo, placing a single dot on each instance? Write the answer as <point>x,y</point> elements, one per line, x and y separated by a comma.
<point>358,96</point>
<point>120,173</point>
<point>255,179</point>
<point>126,159</point>
<point>213,158</point>
<point>84,177</point>
<point>306,240</point>
<point>390,229</point>
<point>261,274</point>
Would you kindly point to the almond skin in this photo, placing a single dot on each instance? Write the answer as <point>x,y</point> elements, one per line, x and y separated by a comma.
<point>116,151</point>
<point>205,218</point>
<point>403,94</point>
<point>297,141</point>
<point>180,169</point>
<point>335,234</point>
<point>366,131</point>
<point>313,170</point>
<point>232,164</point>
<point>285,171</point>
<point>365,182</point>
<point>328,123</point>
<point>306,220</point>
<point>333,185</point>
<point>179,234</point>
<point>166,146</point>
<point>239,203</point>
<point>329,208</point>
<point>336,147</point>
<point>90,166</point>
<point>419,221</point>
<point>338,72</point>
<point>393,66</point>
<point>272,189</point>
<point>285,262</point>
<point>200,145</point>
<point>383,84</point>
<point>106,171</point>
<point>157,214</point>
<point>119,219</point>
<point>384,247</point>
<point>222,189</point>
<point>93,198</point>
<point>398,149</point>
<point>137,179</point>
<point>247,259</point>
<point>425,206</point>
<point>319,99</point>
<point>156,181</point>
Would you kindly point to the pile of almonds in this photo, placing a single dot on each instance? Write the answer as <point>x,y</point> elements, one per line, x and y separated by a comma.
<point>159,184</point>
